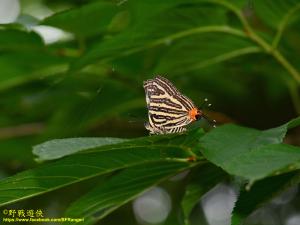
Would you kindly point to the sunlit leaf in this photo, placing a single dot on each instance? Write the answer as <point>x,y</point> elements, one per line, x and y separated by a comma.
<point>244,152</point>
<point>95,162</point>
<point>55,149</point>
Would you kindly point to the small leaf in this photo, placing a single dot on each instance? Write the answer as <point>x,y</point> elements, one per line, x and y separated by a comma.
<point>58,148</point>
<point>203,179</point>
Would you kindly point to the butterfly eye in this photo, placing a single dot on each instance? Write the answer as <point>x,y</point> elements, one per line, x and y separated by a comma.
<point>198,116</point>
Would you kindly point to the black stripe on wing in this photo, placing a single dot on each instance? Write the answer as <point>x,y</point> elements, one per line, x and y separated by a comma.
<point>167,110</point>
<point>172,90</point>
<point>167,107</point>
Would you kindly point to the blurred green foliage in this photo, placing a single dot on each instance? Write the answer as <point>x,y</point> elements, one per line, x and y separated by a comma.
<point>243,55</point>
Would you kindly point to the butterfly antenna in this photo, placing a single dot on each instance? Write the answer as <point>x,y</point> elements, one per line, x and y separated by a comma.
<point>210,121</point>
<point>204,103</point>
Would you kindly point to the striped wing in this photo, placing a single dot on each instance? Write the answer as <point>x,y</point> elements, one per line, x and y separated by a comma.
<point>167,107</point>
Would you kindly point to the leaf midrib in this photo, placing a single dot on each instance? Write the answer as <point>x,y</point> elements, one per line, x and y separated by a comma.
<point>75,181</point>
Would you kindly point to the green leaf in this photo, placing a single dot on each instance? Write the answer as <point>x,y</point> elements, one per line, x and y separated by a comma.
<point>264,161</point>
<point>261,192</point>
<point>122,188</point>
<point>59,148</point>
<point>153,29</point>
<point>17,67</point>
<point>19,49</point>
<point>95,110</point>
<point>19,40</point>
<point>184,56</point>
<point>290,125</point>
<point>279,13</point>
<point>87,20</point>
<point>203,179</point>
<point>244,151</point>
<point>95,162</point>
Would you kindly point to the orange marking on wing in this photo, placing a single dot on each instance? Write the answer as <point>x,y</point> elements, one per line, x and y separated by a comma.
<point>193,113</point>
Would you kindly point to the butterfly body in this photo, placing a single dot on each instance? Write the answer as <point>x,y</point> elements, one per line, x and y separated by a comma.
<point>168,110</point>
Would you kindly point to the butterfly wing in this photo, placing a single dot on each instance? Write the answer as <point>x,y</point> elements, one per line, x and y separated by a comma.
<point>167,107</point>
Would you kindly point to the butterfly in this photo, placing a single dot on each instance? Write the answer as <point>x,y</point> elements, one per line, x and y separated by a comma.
<point>168,110</point>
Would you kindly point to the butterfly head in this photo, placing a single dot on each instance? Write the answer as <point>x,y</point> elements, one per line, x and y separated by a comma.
<point>195,114</point>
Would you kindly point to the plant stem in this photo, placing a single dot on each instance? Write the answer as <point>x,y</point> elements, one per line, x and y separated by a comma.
<point>275,53</point>
<point>269,49</point>
<point>295,95</point>
<point>286,64</point>
<point>197,30</point>
<point>283,25</point>
<point>261,42</point>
